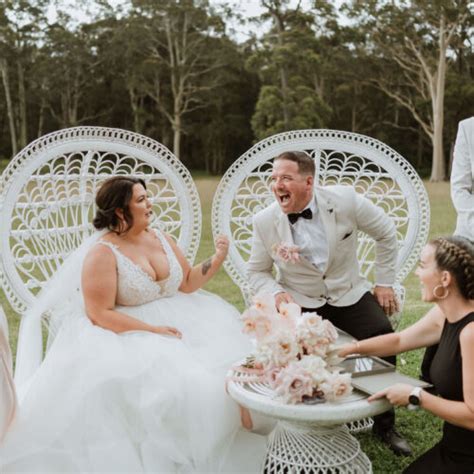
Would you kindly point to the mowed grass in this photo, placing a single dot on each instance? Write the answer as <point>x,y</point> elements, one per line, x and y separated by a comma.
<point>420,428</point>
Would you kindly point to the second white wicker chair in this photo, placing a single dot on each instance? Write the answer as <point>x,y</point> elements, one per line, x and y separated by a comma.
<point>371,167</point>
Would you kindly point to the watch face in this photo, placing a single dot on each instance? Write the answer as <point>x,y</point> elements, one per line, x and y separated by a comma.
<point>414,400</point>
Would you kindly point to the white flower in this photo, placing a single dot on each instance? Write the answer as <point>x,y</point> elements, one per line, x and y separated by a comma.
<point>330,331</point>
<point>265,303</point>
<point>316,366</point>
<point>258,323</point>
<point>277,350</point>
<point>312,333</point>
<point>336,386</point>
<point>332,359</point>
<point>289,315</point>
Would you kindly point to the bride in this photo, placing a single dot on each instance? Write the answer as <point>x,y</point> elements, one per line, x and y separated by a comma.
<point>133,380</point>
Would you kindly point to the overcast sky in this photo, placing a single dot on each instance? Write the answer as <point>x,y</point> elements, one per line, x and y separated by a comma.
<point>246,8</point>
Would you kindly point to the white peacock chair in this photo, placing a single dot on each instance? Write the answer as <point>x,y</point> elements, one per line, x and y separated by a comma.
<point>8,401</point>
<point>374,169</point>
<point>47,202</point>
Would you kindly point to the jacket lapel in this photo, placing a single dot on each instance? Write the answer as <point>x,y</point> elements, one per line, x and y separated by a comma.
<point>283,227</point>
<point>327,208</point>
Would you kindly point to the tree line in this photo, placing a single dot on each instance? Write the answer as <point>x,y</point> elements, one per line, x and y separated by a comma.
<point>398,71</point>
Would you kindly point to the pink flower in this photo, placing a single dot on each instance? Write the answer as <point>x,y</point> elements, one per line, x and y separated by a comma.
<point>312,333</point>
<point>286,252</point>
<point>330,331</point>
<point>289,315</point>
<point>270,376</point>
<point>292,383</point>
<point>336,386</point>
<point>294,353</point>
<point>259,325</point>
<point>316,366</point>
<point>265,303</point>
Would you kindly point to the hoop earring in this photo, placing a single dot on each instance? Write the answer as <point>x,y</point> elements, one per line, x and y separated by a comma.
<point>444,295</point>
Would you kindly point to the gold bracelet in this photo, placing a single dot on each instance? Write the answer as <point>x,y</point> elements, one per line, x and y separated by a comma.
<point>357,344</point>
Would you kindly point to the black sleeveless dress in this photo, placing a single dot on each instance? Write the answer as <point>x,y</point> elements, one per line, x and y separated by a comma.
<point>454,454</point>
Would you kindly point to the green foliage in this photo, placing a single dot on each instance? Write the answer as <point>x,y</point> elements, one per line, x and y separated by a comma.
<point>168,67</point>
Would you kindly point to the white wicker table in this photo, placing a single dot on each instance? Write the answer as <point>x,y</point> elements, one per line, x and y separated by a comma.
<point>310,438</point>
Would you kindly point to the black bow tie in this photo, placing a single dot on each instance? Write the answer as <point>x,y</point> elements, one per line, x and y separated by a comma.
<point>306,214</point>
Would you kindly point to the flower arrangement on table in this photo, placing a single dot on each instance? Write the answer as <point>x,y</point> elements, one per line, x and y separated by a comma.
<point>294,353</point>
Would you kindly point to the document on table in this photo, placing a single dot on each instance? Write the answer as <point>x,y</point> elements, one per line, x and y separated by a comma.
<point>374,383</point>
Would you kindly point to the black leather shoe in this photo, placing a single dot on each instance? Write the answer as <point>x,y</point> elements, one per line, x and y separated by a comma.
<point>394,441</point>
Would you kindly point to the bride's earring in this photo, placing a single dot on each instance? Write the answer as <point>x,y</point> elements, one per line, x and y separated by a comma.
<point>445,292</point>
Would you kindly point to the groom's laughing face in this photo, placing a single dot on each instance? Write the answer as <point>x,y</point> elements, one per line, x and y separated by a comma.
<point>292,190</point>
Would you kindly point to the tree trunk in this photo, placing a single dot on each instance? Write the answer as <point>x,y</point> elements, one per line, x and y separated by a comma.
<point>177,135</point>
<point>22,106</point>
<point>135,109</point>
<point>353,117</point>
<point>8,99</point>
<point>438,172</point>
<point>438,167</point>
<point>419,148</point>
<point>283,73</point>
<point>41,116</point>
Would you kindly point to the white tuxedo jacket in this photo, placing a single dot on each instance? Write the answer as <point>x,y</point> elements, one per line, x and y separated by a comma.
<point>462,179</point>
<point>343,212</point>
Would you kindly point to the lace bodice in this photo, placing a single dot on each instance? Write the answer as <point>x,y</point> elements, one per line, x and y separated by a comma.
<point>135,286</point>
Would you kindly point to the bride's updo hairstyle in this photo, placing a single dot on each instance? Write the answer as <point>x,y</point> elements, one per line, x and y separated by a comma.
<point>456,255</point>
<point>115,193</point>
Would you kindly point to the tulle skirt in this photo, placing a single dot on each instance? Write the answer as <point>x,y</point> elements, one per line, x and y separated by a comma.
<point>137,402</point>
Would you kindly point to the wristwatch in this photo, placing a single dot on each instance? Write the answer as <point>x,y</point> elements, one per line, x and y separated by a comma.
<point>414,399</point>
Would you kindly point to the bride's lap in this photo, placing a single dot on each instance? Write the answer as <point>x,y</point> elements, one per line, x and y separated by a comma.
<point>98,392</point>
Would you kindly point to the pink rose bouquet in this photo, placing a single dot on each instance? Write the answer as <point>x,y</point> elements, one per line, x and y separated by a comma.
<point>294,352</point>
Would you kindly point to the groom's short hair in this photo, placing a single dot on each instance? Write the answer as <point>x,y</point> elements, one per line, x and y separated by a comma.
<point>302,159</point>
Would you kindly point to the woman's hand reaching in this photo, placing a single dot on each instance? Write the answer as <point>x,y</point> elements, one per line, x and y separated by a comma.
<point>167,331</point>
<point>196,277</point>
<point>397,394</point>
<point>222,247</point>
<point>348,349</point>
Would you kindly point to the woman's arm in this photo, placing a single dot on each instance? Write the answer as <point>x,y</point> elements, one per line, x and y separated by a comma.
<point>423,333</point>
<point>99,288</point>
<point>196,277</point>
<point>457,413</point>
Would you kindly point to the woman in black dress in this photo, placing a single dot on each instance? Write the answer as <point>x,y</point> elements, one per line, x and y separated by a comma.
<point>446,273</point>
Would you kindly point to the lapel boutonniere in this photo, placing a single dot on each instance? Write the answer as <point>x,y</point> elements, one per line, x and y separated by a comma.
<point>286,252</point>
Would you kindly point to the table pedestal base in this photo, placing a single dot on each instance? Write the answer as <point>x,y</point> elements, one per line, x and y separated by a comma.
<point>301,449</point>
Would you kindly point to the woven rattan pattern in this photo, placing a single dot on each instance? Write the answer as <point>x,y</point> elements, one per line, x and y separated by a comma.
<point>374,169</point>
<point>47,200</point>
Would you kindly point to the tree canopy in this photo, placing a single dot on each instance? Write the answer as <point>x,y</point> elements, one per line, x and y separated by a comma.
<point>398,71</point>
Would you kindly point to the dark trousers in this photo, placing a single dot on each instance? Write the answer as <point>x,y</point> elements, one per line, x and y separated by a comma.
<point>361,320</point>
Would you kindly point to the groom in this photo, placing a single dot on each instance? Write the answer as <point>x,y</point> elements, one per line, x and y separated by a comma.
<point>323,223</point>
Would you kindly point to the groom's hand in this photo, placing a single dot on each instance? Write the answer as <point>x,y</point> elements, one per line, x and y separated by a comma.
<point>283,297</point>
<point>387,299</point>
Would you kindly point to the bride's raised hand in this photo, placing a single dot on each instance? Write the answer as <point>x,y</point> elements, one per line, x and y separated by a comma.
<point>222,247</point>
<point>167,331</point>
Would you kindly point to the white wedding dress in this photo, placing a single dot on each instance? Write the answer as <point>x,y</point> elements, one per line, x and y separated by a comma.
<point>137,401</point>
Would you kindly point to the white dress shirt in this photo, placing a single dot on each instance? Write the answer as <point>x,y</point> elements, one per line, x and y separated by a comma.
<point>309,235</point>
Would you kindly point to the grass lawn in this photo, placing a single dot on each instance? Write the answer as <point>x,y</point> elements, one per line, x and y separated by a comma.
<point>421,429</point>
